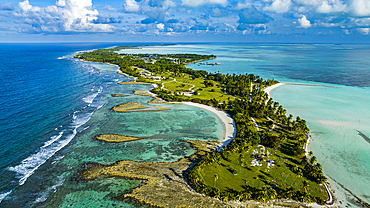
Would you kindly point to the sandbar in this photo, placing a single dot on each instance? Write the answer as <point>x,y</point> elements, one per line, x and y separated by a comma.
<point>229,124</point>
<point>144,93</point>
<point>116,138</point>
<point>119,95</point>
<point>156,100</point>
<point>134,83</point>
<point>135,107</point>
<point>127,75</point>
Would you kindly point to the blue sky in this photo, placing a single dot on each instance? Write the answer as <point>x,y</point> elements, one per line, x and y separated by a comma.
<point>342,21</point>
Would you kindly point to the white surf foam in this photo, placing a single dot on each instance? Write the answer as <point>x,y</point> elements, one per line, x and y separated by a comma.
<point>3,195</point>
<point>66,56</point>
<point>53,139</point>
<point>45,194</point>
<point>90,98</point>
<point>33,162</point>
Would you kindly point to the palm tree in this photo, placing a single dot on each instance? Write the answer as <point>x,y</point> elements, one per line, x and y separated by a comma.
<point>263,195</point>
<point>313,160</point>
<point>246,195</point>
<point>272,193</point>
<point>305,186</point>
<point>289,192</point>
<point>224,197</point>
<point>217,193</point>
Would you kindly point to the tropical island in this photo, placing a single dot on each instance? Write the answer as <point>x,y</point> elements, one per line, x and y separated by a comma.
<point>266,163</point>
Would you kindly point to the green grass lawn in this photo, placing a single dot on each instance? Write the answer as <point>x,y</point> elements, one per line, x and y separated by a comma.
<point>258,176</point>
<point>176,86</point>
<point>206,93</point>
<point>184,82</point>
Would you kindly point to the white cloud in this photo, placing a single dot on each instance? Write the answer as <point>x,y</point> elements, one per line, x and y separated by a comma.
<point>196,3</point>
<point>168,3</point>
<point>61,3</point>
<point>364,31</point>
<point>231,26</point>
<point>160,26</point>
<point>360,7</point>
<point>131,6</point>
<point>66,16</point>
<point>279,6</point>
<point>240,6</point>
<point>331,6</point>
<point>25,5</point>
<point>304,22</point>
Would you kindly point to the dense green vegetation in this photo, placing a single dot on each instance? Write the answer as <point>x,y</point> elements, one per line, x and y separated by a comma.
<point>258,164</point>
<point>155,63</point>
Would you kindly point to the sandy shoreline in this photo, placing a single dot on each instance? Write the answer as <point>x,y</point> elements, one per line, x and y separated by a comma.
<point>268,90</point>
<point>229,124</point>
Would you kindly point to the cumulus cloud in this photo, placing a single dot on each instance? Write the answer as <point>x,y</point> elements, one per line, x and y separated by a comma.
<point>160,26</point>
<point>304,22</point>
<point>106,20</point>
<point>197,3</point>
<point>7,6</point>
<point>157,11</point>
<point>360,8</point>
<point>364,31</point>
<point>252,16</point>
<point>331,6</point>
<point>65,16</point>
<point>240,6</point>
<point>179,28</point>
<point>253,29</point>
<point>279,6</point>
<point>131,6</point>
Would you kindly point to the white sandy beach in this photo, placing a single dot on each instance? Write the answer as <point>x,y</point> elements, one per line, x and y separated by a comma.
<point>230,128</point>
<point>268,90</point>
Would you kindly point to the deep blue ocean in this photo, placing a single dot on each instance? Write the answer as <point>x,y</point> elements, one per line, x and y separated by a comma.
<point>51,106</point>
<point>39,94</point>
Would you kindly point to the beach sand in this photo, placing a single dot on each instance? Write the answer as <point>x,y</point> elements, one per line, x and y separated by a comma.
<point>229,124</point>
<point>268,90</point>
